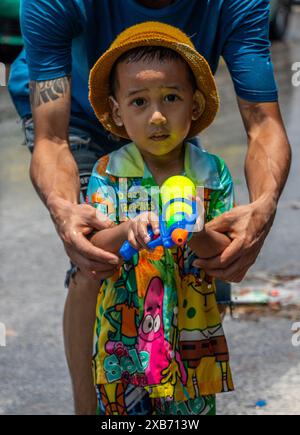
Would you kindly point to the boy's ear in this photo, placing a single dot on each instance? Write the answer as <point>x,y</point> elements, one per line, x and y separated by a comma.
<point>198,105</point>
<point>115,111</point>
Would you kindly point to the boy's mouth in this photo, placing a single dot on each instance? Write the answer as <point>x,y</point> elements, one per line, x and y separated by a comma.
<point>159,137</point>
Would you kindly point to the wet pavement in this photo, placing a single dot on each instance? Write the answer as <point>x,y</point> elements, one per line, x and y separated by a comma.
<point>33,373</point>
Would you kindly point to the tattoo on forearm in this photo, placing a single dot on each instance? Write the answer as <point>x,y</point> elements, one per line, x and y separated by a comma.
<point>50,90</point>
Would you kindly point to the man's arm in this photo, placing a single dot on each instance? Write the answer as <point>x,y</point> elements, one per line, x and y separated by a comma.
<point>208,243</point>
<point>53,170</point>
<point>54,175</point>
<point>245,27</point>
<point>269,153</point>
<point>267,167</point>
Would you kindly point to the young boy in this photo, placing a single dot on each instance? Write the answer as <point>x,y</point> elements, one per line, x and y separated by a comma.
<point>159,343</point>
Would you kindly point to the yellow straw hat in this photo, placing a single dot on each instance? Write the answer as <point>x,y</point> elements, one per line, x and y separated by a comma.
<point>152,34</point>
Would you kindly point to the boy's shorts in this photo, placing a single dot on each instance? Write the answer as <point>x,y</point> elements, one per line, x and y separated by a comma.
<point>126,399</point>
<point>86,152</point>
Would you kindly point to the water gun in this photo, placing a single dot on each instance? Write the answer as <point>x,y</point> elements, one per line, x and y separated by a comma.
<point>179,214</point>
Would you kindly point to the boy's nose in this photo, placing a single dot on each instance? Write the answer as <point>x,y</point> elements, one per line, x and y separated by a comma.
<point>158,118</point>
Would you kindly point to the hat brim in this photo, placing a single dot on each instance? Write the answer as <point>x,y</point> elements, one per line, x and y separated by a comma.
<point>99,90</point>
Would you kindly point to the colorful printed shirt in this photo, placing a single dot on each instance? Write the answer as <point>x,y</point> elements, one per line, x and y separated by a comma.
<point>158,324</point>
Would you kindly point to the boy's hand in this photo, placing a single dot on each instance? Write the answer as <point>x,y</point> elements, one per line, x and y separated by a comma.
<point>138,229</point>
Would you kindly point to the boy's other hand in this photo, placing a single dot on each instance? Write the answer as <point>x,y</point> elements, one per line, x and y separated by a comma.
<point>74,222</point>
<point>247,226</point>
<point>138,230</point>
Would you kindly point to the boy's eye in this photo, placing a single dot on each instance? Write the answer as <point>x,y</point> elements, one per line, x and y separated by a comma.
<point>171,98</point>
<point>138,102</point>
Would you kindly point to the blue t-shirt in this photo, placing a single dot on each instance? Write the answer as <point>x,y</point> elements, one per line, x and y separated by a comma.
<point>67,37</point>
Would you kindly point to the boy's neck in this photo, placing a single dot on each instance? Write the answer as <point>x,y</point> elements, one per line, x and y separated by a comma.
<point>163,167</point>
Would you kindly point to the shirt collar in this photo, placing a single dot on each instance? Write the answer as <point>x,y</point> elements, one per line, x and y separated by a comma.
<point>199,166</point>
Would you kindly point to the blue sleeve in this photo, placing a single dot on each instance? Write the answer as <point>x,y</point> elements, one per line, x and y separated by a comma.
<point>102,195</point>
<point>246,50</point>
<point>222,200</point>
<point>48,28</point>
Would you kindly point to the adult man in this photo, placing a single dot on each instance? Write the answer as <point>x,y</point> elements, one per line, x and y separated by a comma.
<point>63,40</point>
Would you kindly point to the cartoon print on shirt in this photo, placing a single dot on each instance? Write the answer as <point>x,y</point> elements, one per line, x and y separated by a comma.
<point>200,344</point>
<point>165,365</point>
<point>124,362</point>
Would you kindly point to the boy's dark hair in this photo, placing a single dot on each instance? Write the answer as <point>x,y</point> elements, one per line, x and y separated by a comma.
<point>147,53</point>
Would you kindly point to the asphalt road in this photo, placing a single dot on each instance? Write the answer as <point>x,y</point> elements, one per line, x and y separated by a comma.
<point>33,373</point>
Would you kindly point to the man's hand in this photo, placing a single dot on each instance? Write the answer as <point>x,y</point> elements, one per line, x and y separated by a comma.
<point>74,223</point>
<point>54,174</point>
<point>248,227</point>
<point>266,168</point>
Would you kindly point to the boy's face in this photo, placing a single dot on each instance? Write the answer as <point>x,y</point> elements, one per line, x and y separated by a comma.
<point>156,103</point>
